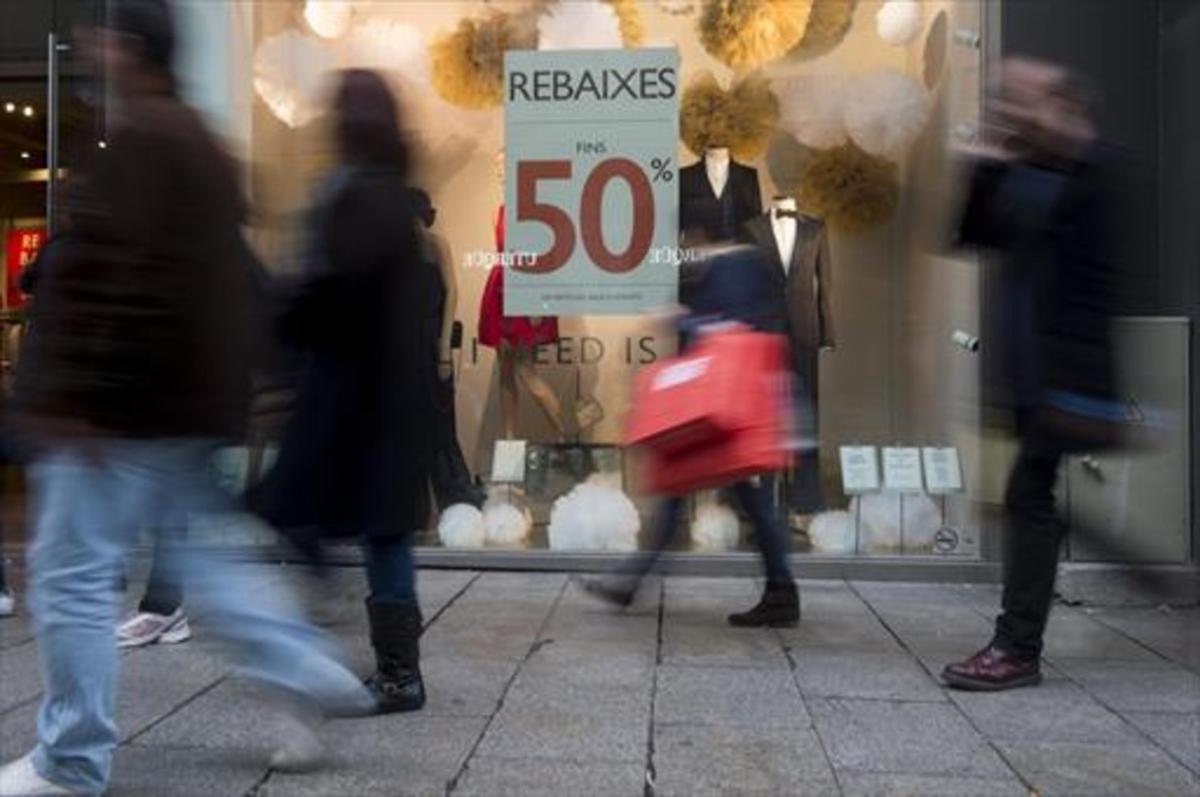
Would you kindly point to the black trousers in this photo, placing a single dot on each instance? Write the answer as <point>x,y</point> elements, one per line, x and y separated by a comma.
<point>1033,536</point>
<point>163,594</point>
<point>770,533</point>
<point>449,474</point>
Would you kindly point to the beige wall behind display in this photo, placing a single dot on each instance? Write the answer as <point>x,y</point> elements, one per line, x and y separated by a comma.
<point>894,378</point>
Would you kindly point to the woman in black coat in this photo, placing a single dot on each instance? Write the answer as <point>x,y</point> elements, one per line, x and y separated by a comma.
<point>355,457</point>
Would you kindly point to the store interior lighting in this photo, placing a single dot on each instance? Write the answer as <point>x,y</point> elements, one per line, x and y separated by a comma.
<point>10,107</point>
<point>28,111</point>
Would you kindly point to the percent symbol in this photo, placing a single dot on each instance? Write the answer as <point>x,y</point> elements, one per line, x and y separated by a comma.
<point>662,169</point>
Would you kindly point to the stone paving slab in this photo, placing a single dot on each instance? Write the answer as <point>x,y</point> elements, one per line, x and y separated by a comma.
<point>905,738</point>
<point>1056,711</point>
<point>488,776</point>
<point>868,676</point>
<point>870,784</point>
<point>1179,734</point>
<point>1076,770</point>
<point>729,696</point>
<point>20,676</point>
<point>1172,633</point>
<point>140,771</point>
<point>405,754</point>
<point>1136,685</point>
<point>727,759</point>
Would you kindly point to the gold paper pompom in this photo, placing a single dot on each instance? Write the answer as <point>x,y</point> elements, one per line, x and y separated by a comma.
<point>744,34</point>
<point>742,118</point>
<point>828,25</point>
<point>851,190</point>
<point>468,63</point>
<point>629,13</point>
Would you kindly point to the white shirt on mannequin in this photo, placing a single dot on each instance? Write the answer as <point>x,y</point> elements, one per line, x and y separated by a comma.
<point>716,164</point>
<point>784,228</point>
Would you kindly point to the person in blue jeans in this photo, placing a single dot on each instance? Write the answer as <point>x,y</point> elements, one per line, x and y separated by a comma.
<point>135,370</point>
<point>727,283</point>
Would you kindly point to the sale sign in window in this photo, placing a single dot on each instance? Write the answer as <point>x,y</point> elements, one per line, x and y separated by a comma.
<point>591,205</point>
<point>22,249</point>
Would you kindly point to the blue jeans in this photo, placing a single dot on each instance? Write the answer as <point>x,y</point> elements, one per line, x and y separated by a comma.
<point>90,502</point>
<point>391,570</point>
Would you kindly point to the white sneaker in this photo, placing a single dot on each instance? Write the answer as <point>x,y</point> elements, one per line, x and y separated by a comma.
<point>20,779</point>
<point>8,603</point>
<point>147,628</point>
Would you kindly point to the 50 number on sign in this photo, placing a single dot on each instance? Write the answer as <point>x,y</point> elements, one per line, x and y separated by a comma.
<point>590,212</point>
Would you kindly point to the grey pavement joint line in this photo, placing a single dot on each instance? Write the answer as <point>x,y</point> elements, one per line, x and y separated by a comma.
<point>1144,645</point>
<point>1136,728</point>
<point>1025,782</point>
<point>787,652</point>
<point>651,773</point>
<point>534,646</point>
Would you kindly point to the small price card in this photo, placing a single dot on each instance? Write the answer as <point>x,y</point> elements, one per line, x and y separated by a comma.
<point>902,470</point>
<point>943,471</point>
<point>860,469</point>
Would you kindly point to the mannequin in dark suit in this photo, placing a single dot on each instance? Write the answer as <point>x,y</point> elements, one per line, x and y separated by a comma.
<point>806,281</point>
<point>719,194</point>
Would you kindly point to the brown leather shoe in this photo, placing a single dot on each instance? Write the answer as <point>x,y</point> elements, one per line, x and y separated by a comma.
<point>992,670</point>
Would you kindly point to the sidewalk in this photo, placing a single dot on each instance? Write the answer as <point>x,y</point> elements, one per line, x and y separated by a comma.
<point>536,689</point>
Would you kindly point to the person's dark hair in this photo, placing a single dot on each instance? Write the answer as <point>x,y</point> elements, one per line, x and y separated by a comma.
<point>423,206</point>
<point>151,23</point>
<point>367,121</point>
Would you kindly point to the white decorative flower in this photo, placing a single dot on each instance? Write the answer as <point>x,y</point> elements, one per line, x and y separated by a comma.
<point>388,46</point>
<point>832,533</point>
<point>594,516</point>
<point>885,112</point>
<point>811,110</point>
<point>898,22</point>
<point>329,19</point>
<point>290,70</point>
<point>461,526</point>
<point>715,528</point>
<point>579,25</point>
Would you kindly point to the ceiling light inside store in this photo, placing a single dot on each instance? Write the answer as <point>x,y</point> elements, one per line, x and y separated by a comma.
<point>329,19</point>
<point>25,156</point>
<point>28,111</point>
<point>9,107</point>
<point>102,144</point>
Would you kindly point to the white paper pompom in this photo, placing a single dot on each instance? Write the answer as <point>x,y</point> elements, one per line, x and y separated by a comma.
<point>290,70</point>
<point>677,8</point>
<point>388,46</point>
<point>715,528</point>
<point>329,19</point>
<point>461,526</point>
<point>812,111</point>
<point>881,518</point>
<point>898,22</point>
<point>832,533</point>
<point>885,112</point>
<point>922,519</point>
<point>594,516</point>
<point>579,25</point>
<point>506,521</point>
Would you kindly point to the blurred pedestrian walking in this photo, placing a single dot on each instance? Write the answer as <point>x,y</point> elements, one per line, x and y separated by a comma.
<point>1039,198</point>
<point>136,369</point>
<point>726,282</point>
<point>355,457</point>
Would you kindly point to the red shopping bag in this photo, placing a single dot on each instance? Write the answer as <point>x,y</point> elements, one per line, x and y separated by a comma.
<point>700,397</point>
<point>741,443</point>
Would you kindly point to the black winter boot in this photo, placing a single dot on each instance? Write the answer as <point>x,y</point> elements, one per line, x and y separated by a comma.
<point>395,631</point>
<point>778,608</point>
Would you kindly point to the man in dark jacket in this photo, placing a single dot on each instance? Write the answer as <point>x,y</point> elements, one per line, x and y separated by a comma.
<point>1039,199</point>
<point>728,282</point>
<point>136,368</point>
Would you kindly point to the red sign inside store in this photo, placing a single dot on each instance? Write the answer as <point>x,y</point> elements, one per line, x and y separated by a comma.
<point>22,248</point>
